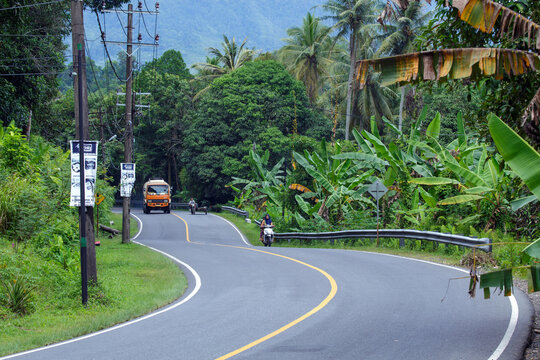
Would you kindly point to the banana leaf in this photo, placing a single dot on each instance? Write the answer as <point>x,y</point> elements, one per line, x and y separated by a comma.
<point>533,250</point>
<point>460,199</point>
<point>422,170</point>
<point>469,176</point>
<point>434,127</point>
<point>519,203</point>
<point>428,198</point>
<point>533,277</point>
<point>517,153</point>
<point>363,143</point>
<point>303,204</point>
<point>449,64</point>
<point>501,279</point>
<point>392,126</point>
<point>482,14</point>
<point>478,190</point>
<point>433,181</point>
<point>299,187</point>
<point>302,161</point>
<point>462,137</point>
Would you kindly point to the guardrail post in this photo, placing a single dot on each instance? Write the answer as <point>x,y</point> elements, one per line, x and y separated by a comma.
<point>401,243</point>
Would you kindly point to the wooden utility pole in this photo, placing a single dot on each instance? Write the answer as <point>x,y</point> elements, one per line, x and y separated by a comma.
<point>128,144</point>
<point>81,110</point>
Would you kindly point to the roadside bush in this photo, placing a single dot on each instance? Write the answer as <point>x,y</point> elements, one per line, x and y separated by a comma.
<point>18,294</point>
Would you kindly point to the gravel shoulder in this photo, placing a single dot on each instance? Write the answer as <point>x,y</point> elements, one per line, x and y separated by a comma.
<point>533,351</point>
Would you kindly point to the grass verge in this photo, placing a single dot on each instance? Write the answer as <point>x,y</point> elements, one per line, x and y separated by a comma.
<point>450,255</point>
<point>127,288</point>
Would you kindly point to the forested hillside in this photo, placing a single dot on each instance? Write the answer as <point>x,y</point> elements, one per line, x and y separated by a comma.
<point>191,27</point>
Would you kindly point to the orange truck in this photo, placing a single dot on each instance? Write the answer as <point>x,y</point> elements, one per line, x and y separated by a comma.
<point>157,196</point>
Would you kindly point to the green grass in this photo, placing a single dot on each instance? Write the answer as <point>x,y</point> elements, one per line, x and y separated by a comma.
<point>448,256</point>
<point>127,288</point>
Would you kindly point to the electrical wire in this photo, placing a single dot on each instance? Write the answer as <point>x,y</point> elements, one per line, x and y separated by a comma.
<point>120,20</point>
<point>107,50</point>
<point>31,5</point>
<point>31,35</point>
<point>36,74</point>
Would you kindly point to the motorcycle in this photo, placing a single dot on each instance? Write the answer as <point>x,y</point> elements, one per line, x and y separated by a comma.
<point>268,235</point>
<point>193,208</point>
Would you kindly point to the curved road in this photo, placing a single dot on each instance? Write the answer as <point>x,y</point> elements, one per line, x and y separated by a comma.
<point>250,302</point>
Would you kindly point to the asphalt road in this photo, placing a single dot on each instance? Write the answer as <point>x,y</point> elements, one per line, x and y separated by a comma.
<point>250,302</point>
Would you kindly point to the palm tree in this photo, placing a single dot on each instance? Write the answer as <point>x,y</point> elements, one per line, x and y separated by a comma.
<point>399,38</point>
<point>349,16</point>
<point>306,54</point>
<point>461,63</point>
<point>231,57</point>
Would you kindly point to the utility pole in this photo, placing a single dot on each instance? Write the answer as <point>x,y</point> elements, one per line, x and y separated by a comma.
<point>88,250</point>
<point>128,144</point>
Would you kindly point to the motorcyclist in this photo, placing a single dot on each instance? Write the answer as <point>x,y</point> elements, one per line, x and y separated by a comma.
<point>266,221</point>
<point>192,204</point>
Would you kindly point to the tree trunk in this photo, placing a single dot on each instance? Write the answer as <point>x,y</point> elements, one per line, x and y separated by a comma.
<point>401,106</point>
<point>28,127</point>
<point>352,50</point>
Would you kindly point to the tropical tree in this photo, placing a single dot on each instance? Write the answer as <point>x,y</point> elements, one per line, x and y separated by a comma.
<point>307,54</point>
<point>231,57</point>
<point>348,17</point>
<point>462,63</point>
<point>399,38</point>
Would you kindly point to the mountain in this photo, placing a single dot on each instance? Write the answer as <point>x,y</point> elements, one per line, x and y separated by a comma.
<point>191,27</point>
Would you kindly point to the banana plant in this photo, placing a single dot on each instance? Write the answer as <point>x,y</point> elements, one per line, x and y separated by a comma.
<point>338,183</point>
<point>267,187</point>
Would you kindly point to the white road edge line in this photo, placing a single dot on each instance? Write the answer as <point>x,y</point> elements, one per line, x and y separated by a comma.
<point>235,228</point>
<point>513,303</point>
<point>171,307</point>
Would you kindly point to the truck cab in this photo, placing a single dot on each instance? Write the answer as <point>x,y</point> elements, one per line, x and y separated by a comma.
<point>157,196</point>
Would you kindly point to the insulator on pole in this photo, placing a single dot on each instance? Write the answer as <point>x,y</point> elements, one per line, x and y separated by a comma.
<point>140,5</point>
<point>157,5</point>
<point>139,37</point>
<point>157,38</point>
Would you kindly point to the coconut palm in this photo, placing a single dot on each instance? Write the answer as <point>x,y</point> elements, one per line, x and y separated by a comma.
<point>459,63</point>
<point>307,53</point>
<point>231,57</point>
<point>399,38</point>
<point>349,16</point>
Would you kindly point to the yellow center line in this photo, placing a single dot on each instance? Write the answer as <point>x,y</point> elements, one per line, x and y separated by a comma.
<point>187,230</point>
<point>329,297</point>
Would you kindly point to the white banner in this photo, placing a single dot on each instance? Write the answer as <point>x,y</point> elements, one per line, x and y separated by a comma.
<point>127,179</point>
<point>90,171</point>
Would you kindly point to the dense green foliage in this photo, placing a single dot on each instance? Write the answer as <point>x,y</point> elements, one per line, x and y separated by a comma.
<point>259,105</point>
<point>31,56</point>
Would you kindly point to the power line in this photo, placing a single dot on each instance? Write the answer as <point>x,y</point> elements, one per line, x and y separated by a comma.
<point>36,74</point>
<point>31,35</point>
<point>107,50</point>
<point>31,5</point>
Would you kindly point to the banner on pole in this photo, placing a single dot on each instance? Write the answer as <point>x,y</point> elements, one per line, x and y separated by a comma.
<point>127,179</point>
<point>90,171</point>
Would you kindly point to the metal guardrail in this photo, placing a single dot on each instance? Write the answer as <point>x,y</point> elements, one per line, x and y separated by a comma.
<point>236,211</point>
<point>460,240</point>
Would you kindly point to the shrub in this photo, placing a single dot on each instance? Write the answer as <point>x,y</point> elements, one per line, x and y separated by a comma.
<point>18,294</point>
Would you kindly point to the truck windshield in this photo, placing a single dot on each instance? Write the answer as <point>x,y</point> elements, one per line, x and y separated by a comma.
<point>158,189</point>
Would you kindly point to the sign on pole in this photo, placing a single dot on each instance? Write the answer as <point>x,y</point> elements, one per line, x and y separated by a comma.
<point>127,179</point>
<point>377,190</point>
<point>90,171</point>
